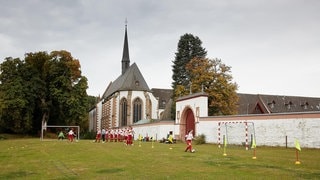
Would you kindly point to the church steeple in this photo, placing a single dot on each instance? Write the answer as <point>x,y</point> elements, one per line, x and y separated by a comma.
<point>125,55</point>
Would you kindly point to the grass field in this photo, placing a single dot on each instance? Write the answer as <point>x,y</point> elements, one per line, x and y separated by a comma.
<point>29,158</point>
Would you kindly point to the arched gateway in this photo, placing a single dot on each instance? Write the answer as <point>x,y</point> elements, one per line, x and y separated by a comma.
<point>188,110</point>
<point>187,122</point>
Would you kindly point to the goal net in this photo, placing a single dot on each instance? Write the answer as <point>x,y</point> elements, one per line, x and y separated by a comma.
<point>236,133</point>
<point>52,132</point>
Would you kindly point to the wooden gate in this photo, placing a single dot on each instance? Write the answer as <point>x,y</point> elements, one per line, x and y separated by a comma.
<point>190,121</point>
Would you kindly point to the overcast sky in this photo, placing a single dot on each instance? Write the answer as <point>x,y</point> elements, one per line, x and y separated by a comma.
<point>273,46</point>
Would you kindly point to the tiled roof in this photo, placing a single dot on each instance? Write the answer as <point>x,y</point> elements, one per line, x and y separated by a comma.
<point>131,80</point>
<point>260,103</point>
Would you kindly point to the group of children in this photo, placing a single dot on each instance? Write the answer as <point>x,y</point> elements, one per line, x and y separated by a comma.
<point>116,135</point>
<point>71,135</point>
<point>126,135</point>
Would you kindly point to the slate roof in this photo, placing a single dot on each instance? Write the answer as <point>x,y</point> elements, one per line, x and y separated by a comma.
<point>261,104</point>
<point>131,80</point>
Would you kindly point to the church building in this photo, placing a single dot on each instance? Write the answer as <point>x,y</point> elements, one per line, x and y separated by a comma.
<point>127,100</point>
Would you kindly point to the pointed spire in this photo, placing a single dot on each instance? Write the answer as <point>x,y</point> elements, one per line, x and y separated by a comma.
<point>125,55</point>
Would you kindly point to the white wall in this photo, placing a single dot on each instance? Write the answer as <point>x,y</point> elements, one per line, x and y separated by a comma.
<point>99,115</point>
<point>268,131</point>
<point>156,130</point>
<point>155,107</point>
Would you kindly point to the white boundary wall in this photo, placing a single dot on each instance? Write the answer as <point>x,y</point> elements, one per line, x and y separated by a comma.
<point>157,130</point>
<point>270,129</point>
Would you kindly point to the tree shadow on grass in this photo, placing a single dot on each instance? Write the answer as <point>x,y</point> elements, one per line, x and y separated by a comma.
<point>108,171</point>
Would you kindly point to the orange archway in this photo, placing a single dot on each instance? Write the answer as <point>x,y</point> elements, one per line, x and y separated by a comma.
<point>187,122</point>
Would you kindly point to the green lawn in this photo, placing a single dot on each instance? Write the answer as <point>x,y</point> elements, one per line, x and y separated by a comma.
<point>29,158</point>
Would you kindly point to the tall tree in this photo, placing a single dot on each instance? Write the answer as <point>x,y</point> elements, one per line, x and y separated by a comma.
<point>16,106</point>
<point>214,77</point>
<point>67,88</point>
<point>37,63</point>
<point>189,46</point>
<point>43,87</point>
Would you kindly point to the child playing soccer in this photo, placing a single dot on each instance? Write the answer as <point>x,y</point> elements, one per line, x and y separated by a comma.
<point>189,138</point>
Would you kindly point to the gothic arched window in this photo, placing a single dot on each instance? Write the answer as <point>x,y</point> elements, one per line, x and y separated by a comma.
<point>137,110</point>
<point>123,112</point>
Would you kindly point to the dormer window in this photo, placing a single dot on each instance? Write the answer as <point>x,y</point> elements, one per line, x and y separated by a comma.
<point>288,105</point>
<point>305,105</point>
<point>271,104</point>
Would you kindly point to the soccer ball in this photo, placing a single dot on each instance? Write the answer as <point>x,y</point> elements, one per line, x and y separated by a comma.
<point>193,150</point>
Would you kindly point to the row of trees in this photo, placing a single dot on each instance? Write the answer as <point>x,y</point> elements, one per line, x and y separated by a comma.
<point>42,87</point>
<point>193,71</point>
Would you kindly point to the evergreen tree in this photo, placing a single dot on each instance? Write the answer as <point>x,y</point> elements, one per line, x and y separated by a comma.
<point>189,46</point>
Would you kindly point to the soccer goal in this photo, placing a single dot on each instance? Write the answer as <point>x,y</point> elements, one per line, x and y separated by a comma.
<point>237,133</point>
<point>51,132</point>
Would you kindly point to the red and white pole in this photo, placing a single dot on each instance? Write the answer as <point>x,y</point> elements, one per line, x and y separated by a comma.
<point>246,125</point>
<point>219,140</point>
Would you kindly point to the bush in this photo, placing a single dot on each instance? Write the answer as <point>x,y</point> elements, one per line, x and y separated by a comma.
<point>201,139</point>
<point>50,135</point>
<point>88,135</point>
<point>2,137</point>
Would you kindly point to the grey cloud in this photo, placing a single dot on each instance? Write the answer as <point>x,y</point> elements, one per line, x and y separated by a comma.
<point>251,36</point>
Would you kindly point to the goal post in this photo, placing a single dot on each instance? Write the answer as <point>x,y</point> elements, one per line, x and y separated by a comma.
<point>45,126</point>
<point>236,132</point>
